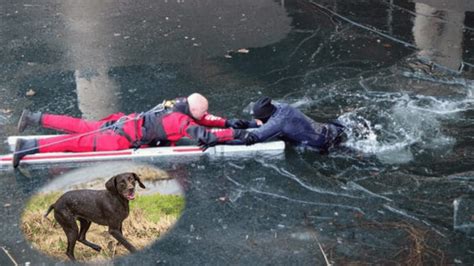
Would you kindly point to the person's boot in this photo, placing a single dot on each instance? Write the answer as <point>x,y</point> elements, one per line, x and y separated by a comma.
<point>24,147</point>
<point>28,118</point>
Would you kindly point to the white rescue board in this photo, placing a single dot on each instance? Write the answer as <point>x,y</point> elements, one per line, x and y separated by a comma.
<point>272,148</point>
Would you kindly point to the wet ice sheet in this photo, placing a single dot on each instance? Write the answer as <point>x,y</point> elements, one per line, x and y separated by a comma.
<point>389,201</point>
<point>463,218</point>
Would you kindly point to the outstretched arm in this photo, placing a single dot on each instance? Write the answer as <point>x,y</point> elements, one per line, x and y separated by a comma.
<point>208,137</point>
<point>210,120</point>
<point>271,129</point>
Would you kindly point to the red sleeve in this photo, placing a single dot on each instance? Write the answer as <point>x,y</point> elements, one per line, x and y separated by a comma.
<point>209,120</point>
<point>222,134</point>
<point>177,125</point>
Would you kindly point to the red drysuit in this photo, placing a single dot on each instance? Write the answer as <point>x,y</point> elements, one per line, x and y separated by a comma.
<point>148,129</point>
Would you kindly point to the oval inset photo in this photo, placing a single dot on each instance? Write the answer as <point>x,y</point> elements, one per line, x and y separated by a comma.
<point>100,213</point>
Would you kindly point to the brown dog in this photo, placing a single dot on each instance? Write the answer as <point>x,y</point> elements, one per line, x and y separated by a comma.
<point>105,207</point>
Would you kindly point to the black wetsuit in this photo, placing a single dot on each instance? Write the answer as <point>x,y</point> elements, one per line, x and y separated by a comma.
<point>289,124</point>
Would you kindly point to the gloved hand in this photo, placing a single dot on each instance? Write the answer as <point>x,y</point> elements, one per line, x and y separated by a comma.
<point>247,137</point>
<point>205,145</point>
<point>237,123</point>
<point>250,138</point>
<point>205,139</point>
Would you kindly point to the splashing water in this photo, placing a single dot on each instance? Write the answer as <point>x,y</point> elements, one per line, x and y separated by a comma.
<point>443,107</point>
<point>409,121</point>
<point>365,138</point>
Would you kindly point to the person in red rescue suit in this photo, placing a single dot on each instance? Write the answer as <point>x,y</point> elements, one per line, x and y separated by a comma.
<point>182,117</point>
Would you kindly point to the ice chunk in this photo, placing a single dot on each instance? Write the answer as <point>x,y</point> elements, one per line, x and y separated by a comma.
<point>463,219</point>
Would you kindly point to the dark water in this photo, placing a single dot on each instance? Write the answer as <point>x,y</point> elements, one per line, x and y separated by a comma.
<point>403,195</point>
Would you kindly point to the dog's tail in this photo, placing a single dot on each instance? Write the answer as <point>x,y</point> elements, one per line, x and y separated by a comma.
<point>49,210</point>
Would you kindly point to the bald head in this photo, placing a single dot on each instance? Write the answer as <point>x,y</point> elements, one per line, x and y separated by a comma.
<point>198,105</point>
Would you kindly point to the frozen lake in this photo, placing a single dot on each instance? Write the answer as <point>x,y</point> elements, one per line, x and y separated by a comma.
<point>403,195</point>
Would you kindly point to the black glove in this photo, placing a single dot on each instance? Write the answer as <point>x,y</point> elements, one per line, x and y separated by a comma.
<point>237,123</point>
<point>204,138</point>
<point>250,138</point>
<point>209,141</point>
<point>247,137</point>
<point>205,145</point>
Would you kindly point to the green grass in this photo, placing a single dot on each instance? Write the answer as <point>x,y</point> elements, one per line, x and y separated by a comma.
<point>42,201</point>
<point>156,205</point>
<point>150,217</point>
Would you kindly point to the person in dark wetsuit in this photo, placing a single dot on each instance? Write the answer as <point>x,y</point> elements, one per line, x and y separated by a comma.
<point>177,119</point>
<point>282,121</point>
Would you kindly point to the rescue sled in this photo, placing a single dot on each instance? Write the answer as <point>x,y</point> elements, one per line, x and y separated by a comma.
<point>268,148</point>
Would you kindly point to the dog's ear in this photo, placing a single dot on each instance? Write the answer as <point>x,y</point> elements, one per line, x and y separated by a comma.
<point>111,185</point>
<point>138,180</point>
